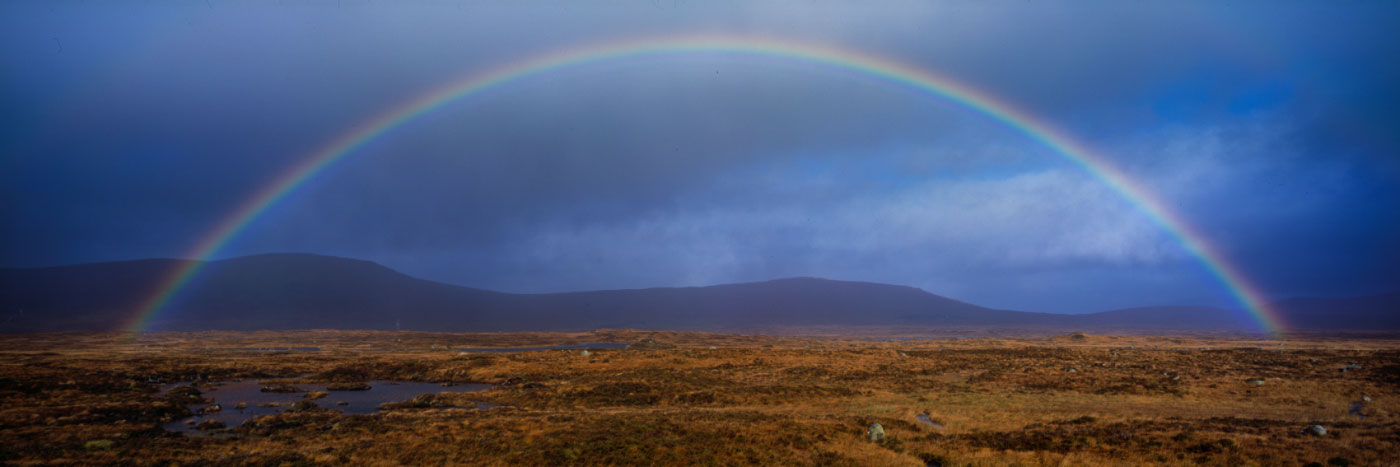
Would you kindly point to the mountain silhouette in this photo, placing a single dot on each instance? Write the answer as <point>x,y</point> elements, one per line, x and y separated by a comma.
<point>305,291</point>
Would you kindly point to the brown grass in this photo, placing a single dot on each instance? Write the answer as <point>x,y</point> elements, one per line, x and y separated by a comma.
<point>92,399</point>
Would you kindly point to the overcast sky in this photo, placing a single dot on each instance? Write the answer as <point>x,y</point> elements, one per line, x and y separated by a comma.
<point>129,129</point>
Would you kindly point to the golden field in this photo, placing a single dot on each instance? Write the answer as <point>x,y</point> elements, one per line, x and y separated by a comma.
<point>715,399</point>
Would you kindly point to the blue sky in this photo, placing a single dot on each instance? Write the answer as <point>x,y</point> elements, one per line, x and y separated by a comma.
<point>130,129</point>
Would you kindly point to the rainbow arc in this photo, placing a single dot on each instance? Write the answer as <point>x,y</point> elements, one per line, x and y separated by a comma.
<point>895,73</point>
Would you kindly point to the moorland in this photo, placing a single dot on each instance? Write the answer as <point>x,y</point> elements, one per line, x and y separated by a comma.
<point>712,399</point>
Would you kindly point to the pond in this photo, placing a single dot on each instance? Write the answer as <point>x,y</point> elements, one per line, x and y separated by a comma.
<point>230,394</point>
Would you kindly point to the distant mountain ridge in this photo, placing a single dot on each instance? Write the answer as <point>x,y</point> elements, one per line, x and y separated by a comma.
<point>305,291</point>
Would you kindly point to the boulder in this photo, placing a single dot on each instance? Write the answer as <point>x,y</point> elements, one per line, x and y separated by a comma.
<point>1255,381</point>
<point>1316,430</point>
<point>876,432</point>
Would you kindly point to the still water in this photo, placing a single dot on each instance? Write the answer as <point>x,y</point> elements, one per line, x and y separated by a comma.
<point>229,394</point>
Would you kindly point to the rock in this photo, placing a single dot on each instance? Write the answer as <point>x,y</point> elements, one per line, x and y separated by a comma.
<point>925,419</point>
<point>316,394</point>
<point>98,444</point>
<point>209,424</point>
<point>1255,381</point>
<point>1072,370</point>
<point>212,408</point>
<point>356,386</point>
<point>585,353</point>
<point>281,387</point>
<point>713,347</point>
<point>876,432</point>
<point>1316,430</point>
<point>1351,367</point>
<point>1366,398</point>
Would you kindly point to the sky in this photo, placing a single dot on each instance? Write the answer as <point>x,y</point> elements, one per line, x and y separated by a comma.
<point>131,129</point>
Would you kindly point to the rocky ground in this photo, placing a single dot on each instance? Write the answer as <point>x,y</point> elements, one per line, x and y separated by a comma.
<point>691,398</point>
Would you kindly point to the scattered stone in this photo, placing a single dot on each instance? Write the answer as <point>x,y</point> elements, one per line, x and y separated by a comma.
<point>281,387</point>
<point>1255,381</point>
<point>98,444</point>
<point>356,386</point>
<point>585,353</point>
<point>1366,398</point>
<point>316,394</point>
<point>210,424</point>
<point>876,432</point>
<point>1351,367</point>
<point>1316,430</point>
<point>925,419</point>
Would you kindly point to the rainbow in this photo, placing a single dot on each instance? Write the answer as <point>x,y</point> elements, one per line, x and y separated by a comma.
<point>906,76</point>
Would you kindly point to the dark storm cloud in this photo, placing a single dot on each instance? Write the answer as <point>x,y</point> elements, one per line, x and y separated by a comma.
<point>1269,126</point>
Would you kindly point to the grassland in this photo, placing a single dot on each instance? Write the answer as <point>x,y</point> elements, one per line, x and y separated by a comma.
<point>717,399</point>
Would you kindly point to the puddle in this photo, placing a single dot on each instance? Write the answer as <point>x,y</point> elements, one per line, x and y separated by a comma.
<point>924,419</point>
<point>586,345</point>
<point>229,394</point>
<point>1356,409</point>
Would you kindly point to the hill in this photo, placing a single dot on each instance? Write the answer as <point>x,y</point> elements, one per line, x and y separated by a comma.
<point>304,291</point>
